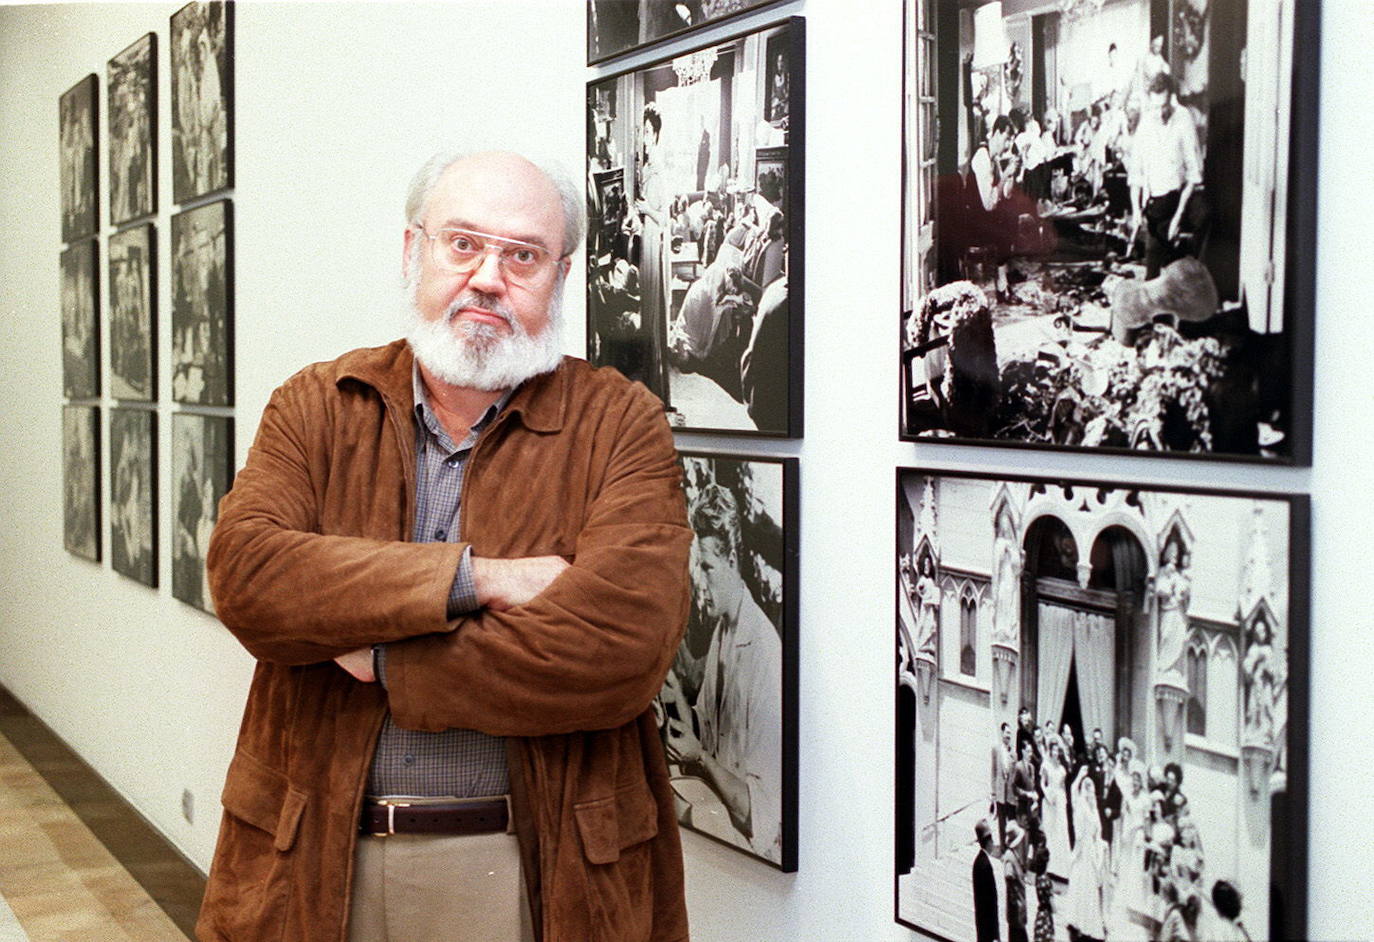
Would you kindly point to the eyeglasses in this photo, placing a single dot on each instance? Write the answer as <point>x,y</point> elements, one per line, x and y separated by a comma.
<point>463,251</point>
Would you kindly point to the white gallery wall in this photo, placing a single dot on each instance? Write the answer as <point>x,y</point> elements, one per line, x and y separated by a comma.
<point>335,106</point>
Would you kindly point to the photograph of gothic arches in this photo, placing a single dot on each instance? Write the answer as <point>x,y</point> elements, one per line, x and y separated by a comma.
<point>1101,710</point>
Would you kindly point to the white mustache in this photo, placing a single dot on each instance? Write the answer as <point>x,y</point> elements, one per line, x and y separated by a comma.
<point>481,302</point>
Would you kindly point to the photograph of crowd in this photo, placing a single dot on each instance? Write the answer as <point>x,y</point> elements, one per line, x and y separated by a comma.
<point>133,131</point>
<point>691,167</point>
<point>202,452</point>
<point>202,122</point>
<point>616,26</point>
<point>201,315</point>
<point>1094,692</point>
<point>727,712</point>
<point>1095,239</point>
<point>77,169</point>
<point>133,370</point>
<point>80,331</point>
<point>133,494</point>
<point>81,481</point>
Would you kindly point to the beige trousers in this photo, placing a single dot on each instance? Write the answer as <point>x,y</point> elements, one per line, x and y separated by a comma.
<point>438,888</point>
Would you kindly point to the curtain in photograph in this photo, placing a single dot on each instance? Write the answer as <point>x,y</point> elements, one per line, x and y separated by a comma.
<point>1094,644</point>
<point>1056,657</point>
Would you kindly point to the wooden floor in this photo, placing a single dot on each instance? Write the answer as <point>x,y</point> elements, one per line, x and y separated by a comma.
<point>77,863</point>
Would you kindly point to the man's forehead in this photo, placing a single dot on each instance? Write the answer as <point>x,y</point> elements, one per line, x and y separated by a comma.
<point>502,195</point>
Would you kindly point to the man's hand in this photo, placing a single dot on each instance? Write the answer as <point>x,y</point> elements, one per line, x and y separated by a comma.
<point>506,583</point>
<point>359,664</point>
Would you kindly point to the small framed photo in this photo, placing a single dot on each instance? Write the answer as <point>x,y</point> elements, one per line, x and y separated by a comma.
<point>1101,709</point>
<point>202,305</point>
<point>133,494</point>
<point>77,138</point>
<point>1109,225</point>
<point>619,26</point>
<point>133,319</point>
<point>202,463</point>
<point>133,131</point>
<point>728,710</point>
<point>80,291</point>
<point>694,252</point>
<point>81,481</point>
<point>202,99</point>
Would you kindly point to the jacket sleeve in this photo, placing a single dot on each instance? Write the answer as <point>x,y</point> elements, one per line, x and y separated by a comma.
<point>292,595</point>
<point>591,651</point>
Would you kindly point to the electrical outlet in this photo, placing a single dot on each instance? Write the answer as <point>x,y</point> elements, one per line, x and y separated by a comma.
<point>188,806</point>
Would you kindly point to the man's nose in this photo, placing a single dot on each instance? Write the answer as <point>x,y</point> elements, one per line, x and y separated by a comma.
<point>488,277</point>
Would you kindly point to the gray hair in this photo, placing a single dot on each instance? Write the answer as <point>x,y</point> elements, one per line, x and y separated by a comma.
<point>569,195</point>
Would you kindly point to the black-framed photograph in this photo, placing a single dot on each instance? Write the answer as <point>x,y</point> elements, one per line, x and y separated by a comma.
<point>1101,709</point>
<point>615,27</point>
<point>133,131</point>
<point>133,317</point>
<point>81,481</point>
<point>694,248</point>
<point>77,137</point>
<point>202,99</point>
<point>80,293</point>
<point>202,305</point>
<point>1109,226</point>
<point>202,465</point>
<point>728,710</point>
<point>133,494</point>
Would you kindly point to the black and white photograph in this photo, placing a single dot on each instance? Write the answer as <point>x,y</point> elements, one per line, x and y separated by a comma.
<point>618,26</point>
<point>202,306</point>
<point>728,707</point>
<point>202,99</point>
<point>78,168</point>
<point>1099,201</point>
<point>202,458</point>
<point>1100,692</point>
<point>81,481</point>
<point>80,329</point>
<point>133,321</point>
<point>694,183</point>
<point>133,494</point>
<point>133,131</point>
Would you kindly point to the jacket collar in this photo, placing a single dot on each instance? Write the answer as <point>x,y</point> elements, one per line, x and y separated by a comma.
<point>541,403</point>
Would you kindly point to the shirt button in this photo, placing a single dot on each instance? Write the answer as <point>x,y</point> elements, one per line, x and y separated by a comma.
<point>440,535</point>
<point>408,760</point>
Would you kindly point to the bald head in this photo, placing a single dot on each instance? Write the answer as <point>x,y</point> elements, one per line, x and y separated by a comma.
<point>507,184</point>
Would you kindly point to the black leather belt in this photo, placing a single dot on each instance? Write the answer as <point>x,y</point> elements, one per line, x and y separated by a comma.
<point>385,816</point>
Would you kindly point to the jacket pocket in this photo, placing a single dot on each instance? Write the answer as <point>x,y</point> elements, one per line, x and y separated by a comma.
<point>261,796</point>
<point>609,825</point>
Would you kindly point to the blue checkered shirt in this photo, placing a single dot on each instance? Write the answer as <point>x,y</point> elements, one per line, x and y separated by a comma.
<point>461,763</point>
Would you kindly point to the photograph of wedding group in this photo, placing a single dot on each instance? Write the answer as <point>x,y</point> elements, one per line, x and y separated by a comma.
<point>1098,206</point>
<point>694,238</point>
<point>1099,693</point>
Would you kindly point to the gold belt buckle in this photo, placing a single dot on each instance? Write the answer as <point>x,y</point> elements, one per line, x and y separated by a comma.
<point>390,805</point>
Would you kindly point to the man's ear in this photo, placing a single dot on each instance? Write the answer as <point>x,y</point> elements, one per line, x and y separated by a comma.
<point>411,234</point>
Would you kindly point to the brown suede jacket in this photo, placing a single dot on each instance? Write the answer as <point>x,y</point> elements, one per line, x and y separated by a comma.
<point>311,559</point>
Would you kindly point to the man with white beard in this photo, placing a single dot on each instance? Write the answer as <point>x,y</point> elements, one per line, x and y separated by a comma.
<point>461,562</point>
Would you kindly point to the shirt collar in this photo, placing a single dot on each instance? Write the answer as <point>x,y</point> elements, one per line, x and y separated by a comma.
<point>424,412</point>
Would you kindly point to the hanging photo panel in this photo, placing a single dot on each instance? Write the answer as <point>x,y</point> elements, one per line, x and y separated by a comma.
<point>202,99</point>
<point>133,131</point>
<point>694,247</point>
<point>728,710</point>
<point>133,494</point>
<point>78,169</point>
<point>80,292</point>
<point>81,481</point>
<point>202,306</point>
<point>1101,713</point>
<point>619,26</point>
<point>1109,226</point>
<point>202,468</point>
<point>133,322</point>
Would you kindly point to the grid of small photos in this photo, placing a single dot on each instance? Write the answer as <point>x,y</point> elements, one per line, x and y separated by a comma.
<point>198,363</point>
<point>1101,684</point>
<point>695,181</point>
